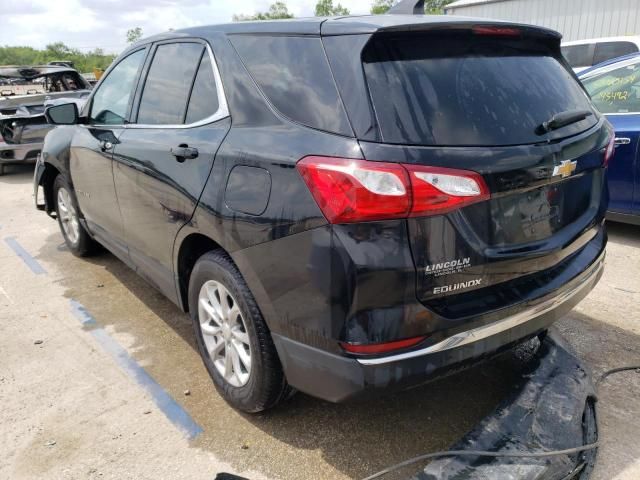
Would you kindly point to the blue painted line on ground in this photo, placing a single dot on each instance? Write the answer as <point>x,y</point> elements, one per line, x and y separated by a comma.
<point>31,262</point>
<point>165,402</point>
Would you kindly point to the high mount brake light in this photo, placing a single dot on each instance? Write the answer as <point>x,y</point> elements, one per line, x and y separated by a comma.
<point>349,190</point>
<point>609,151</point>
<point>497,31</point>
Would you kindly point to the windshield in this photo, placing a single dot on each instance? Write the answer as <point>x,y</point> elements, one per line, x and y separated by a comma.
<point>616,90</point>
<point>466,90</point>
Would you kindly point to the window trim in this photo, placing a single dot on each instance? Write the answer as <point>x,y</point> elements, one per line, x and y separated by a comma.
<point>223,107</point>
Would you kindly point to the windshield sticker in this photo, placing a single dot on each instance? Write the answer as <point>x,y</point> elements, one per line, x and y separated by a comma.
<point>448,268</point>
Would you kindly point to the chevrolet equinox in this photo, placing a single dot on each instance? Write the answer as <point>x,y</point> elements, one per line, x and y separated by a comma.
<point>342,205</point>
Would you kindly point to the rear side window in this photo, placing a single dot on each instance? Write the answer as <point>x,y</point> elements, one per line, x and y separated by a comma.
<point>608,50</point>
<point>616,91</point>
<point>461,90</point>
<point>204,96</point>
<point>168,83</point>
<point>294,74</point>
<point>578,55</point>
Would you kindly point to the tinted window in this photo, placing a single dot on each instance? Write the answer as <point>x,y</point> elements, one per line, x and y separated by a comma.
<point>462,91</point>
<point>204,96</point>
<point>616,91</point>
<point>166,90</point>
<point>608,50</point>
<point>111,100</point>
<point>578,55</point>
<point>294,75</point>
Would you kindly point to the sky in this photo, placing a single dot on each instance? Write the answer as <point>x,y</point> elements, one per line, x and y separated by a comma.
<point>87,24</point>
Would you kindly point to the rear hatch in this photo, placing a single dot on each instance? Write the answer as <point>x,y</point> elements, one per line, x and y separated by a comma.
<point>498,101</point>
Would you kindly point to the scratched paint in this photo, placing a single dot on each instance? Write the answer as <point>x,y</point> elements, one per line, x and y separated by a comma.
<point>171,409</point>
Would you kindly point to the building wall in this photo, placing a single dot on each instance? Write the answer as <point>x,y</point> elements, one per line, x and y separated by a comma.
<point>575,19</point>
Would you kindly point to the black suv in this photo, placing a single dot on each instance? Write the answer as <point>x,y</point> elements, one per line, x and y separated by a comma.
<point>345,204</point>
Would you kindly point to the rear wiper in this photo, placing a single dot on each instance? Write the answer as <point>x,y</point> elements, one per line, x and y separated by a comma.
<point>562,119</point>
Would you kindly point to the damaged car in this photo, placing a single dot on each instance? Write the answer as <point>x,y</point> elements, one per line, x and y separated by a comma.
<point>25,92</point>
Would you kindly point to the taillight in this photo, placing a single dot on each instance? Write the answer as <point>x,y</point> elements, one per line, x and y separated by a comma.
<point>377,348</point>
<point>348,190</point>
<point>610,151</point>
<point>440,190</point>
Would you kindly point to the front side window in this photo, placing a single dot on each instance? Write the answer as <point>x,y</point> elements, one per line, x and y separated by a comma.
<point>111,101</point>
<point>616,91</point>
<point>166,90</point>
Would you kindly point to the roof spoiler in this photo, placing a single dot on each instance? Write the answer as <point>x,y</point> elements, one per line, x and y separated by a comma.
<point>408,7</point>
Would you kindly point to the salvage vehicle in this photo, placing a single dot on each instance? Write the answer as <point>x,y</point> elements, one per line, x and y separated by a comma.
<point>24,94</point>
<point>343,205</point>
<point>614,87</point>
<point>583,54</point>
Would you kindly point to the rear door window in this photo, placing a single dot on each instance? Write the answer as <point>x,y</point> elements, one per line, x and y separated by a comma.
<point>203,102</point>
<point>608,50</point>
<point>458,90</point>
<point>616,91</point>
<point>578,55</point>
<point>294,74</point>
<point>166,89</point>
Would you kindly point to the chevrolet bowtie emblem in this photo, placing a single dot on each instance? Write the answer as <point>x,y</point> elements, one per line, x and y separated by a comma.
<point>565,169</point>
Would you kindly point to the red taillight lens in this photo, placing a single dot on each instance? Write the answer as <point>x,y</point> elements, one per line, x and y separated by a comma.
<point>349,190</point>
<point>610,151</point>
<point>377,348</point>
<point>440,190</point>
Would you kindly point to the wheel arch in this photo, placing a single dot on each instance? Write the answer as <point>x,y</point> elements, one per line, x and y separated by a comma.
<point>192,247</point>
<point>46,181</point>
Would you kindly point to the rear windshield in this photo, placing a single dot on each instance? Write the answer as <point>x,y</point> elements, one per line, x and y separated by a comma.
<point>467,90</point>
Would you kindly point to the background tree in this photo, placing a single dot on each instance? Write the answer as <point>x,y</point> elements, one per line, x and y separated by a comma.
<point>83,62</point>
<point>276,11</point>
<point>381,6</point>
<point>434,7</point>
<point>134,34</point>
<point>325,8</point>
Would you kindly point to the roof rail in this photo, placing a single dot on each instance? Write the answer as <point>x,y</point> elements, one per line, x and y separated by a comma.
<point>408,7</point>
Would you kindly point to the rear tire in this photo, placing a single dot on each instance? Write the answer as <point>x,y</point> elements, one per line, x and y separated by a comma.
<point>232,336</point>
<point>68,214</point>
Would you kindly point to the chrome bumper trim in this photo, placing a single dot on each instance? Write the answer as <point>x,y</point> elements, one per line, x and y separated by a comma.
<point>479,333</point>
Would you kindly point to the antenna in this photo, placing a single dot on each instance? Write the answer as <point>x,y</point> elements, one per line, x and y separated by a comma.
<point>408,7</point>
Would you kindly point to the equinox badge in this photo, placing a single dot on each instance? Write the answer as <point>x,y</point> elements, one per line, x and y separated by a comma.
<point>566,168</point>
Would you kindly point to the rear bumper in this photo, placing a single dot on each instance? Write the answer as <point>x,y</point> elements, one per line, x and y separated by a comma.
<point>19,152</point>
<point>338,378</point>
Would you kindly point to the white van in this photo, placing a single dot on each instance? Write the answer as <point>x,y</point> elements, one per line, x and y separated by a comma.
<point>583,54</point>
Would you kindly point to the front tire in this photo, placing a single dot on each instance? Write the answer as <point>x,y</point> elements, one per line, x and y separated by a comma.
<point>68,214</point>
<point>232,337</point>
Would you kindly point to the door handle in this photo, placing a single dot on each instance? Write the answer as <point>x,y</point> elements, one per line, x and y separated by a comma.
<point>183,152</point>
<point>622,141</point>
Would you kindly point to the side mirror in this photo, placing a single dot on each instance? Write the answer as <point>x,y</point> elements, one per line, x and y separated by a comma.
<point>65,114</point>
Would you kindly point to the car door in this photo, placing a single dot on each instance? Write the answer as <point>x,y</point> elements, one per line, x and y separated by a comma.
<point>90,158</point>
<point>164,157</point>
<point>615,91</point>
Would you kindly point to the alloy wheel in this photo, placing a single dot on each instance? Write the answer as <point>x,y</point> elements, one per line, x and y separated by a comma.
<point>68,216</point>
<point>224,333</point>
